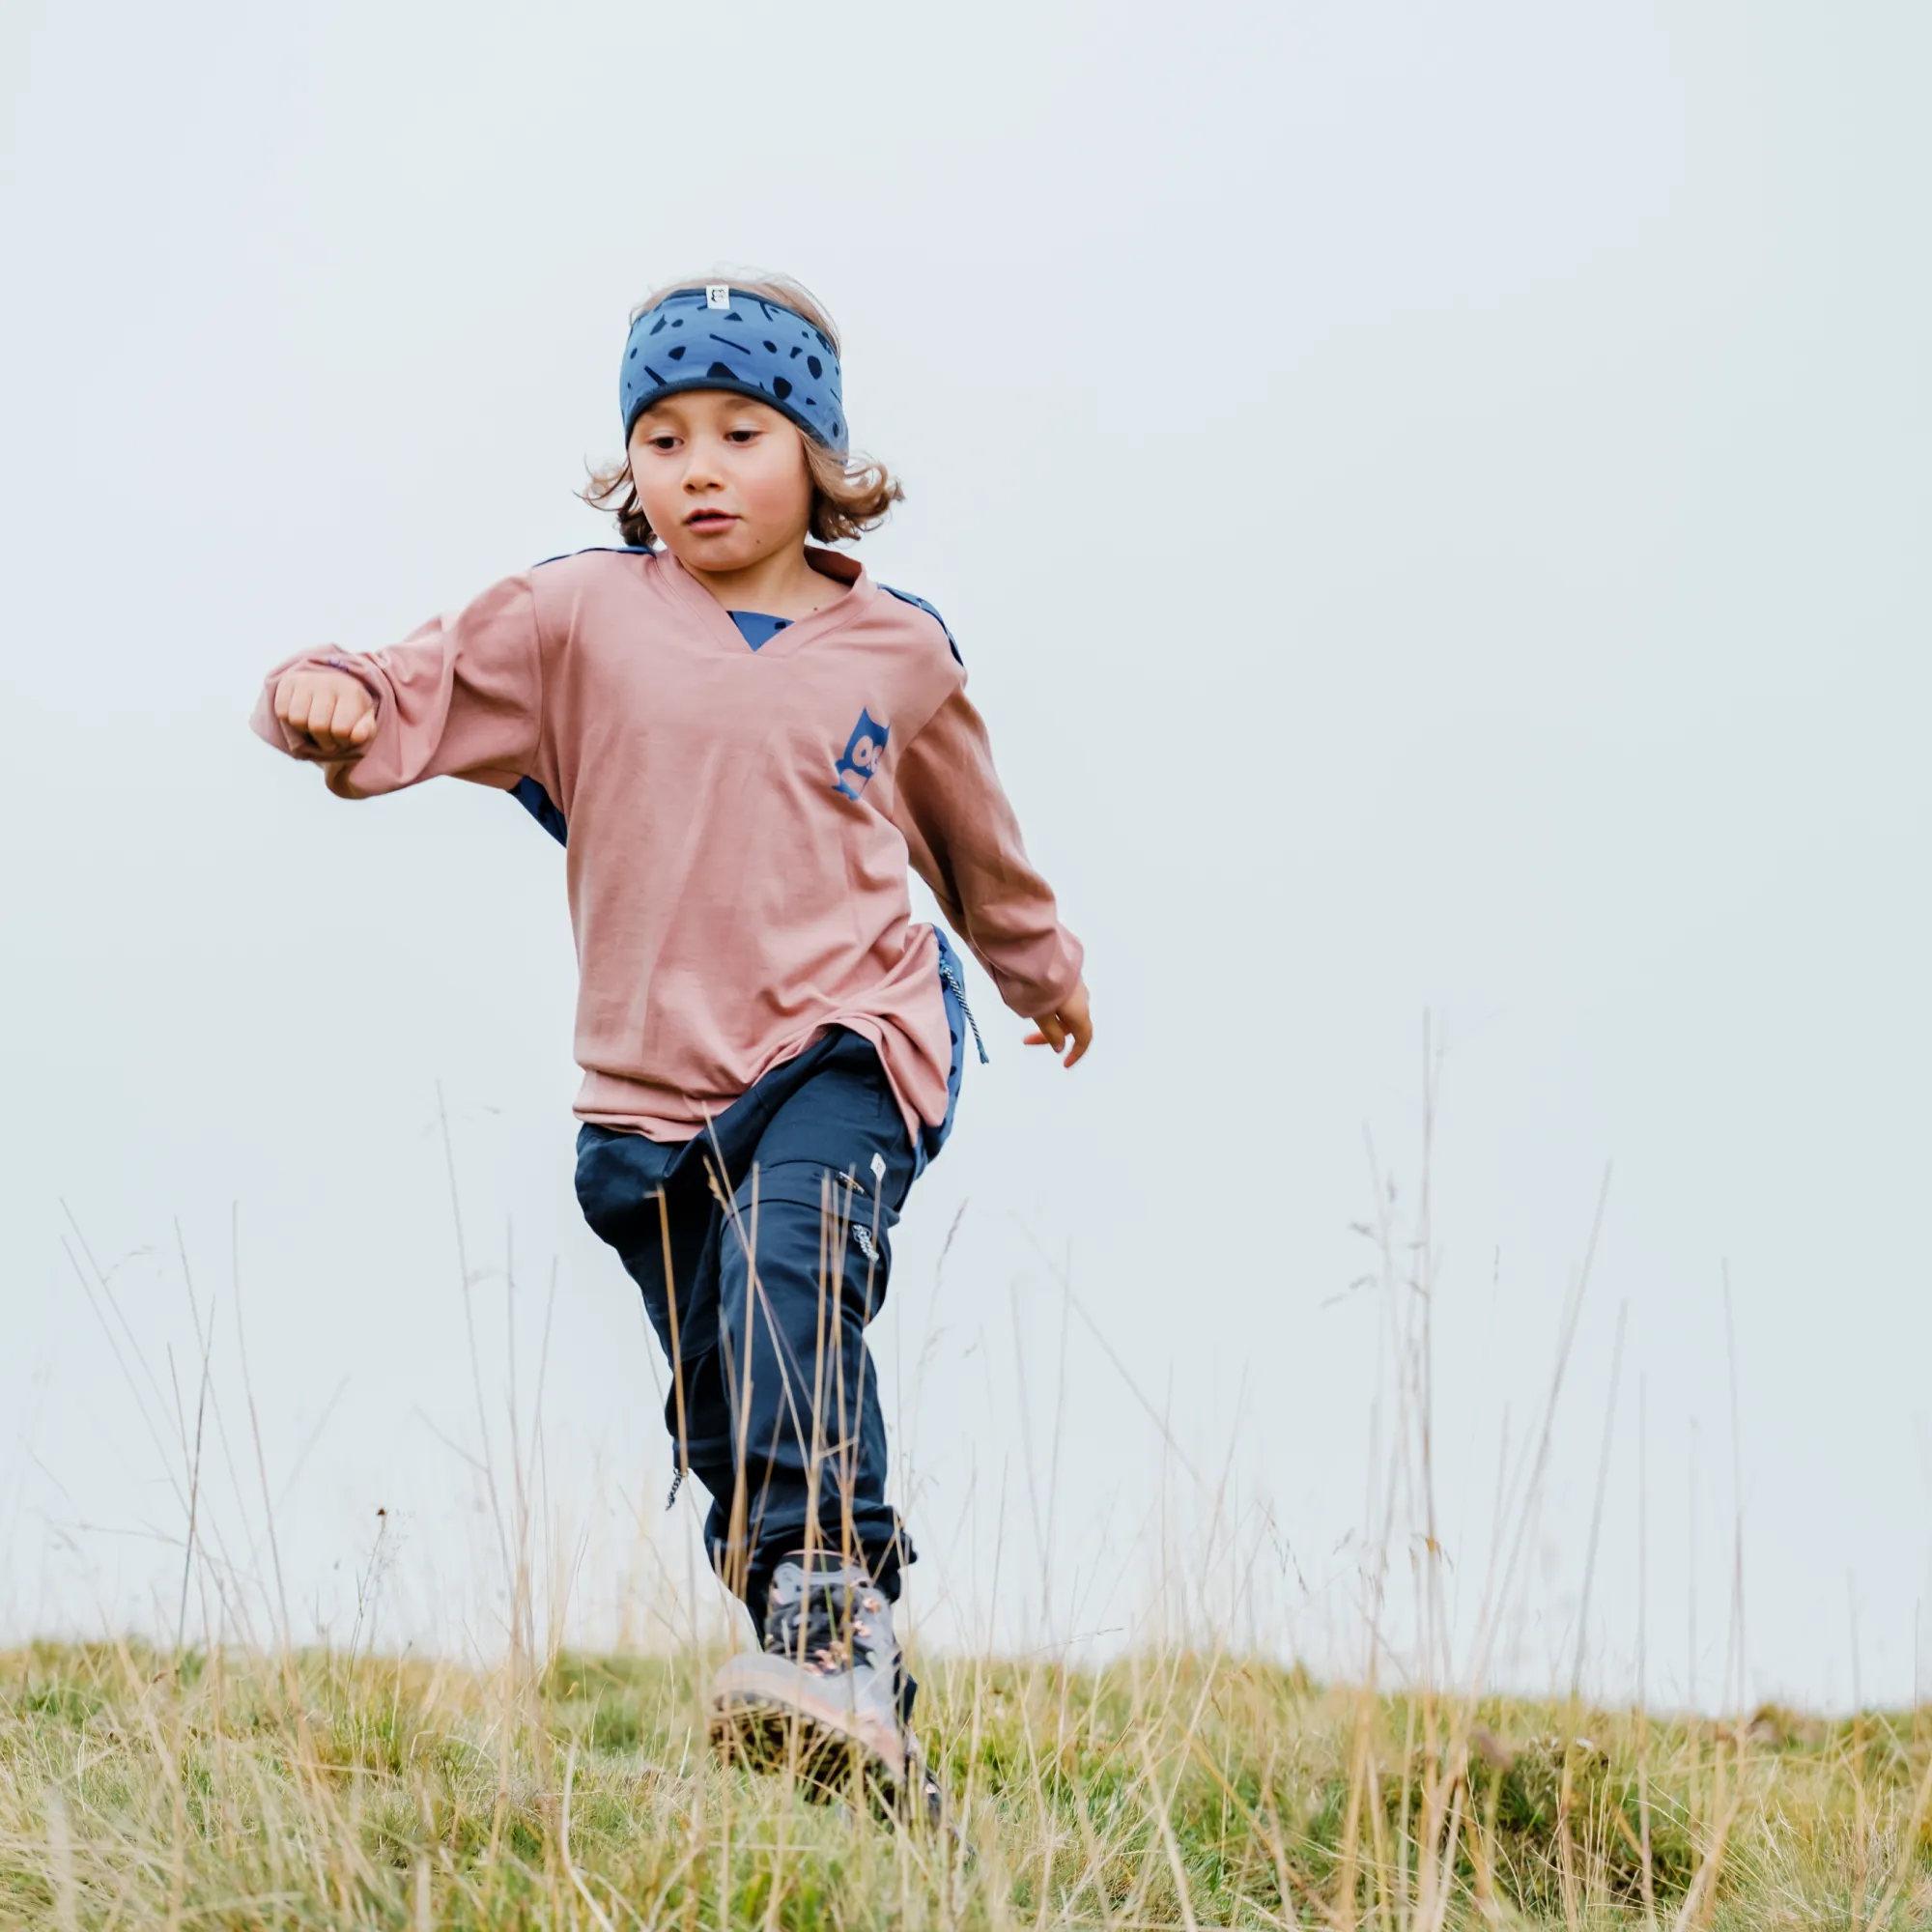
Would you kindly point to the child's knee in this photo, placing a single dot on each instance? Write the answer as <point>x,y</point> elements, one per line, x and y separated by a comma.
<point>615,1194</point>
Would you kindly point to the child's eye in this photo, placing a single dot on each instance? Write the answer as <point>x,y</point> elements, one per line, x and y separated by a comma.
<point>663,442</point>
<point>741,435</point>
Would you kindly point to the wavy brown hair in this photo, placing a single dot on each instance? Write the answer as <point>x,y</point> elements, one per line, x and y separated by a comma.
<point>850,494</point>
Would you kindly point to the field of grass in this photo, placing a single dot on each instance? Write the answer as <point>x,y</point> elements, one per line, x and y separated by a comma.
<point>141,1789</point>
<point>254,1782</point>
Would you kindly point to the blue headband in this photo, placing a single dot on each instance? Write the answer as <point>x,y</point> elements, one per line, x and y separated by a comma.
<point>721,338</point>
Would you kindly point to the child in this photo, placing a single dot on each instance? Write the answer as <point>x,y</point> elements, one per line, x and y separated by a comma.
<point>742,741</point>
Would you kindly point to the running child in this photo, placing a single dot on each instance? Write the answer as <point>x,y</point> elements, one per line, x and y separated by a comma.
<point>743,742</point>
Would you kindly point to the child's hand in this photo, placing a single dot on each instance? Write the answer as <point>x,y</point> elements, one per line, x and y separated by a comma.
<point>1072,1022</point>
<point>332,710</point>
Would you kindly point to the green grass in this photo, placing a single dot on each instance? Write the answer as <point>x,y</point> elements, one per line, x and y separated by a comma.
<point>141,1789</point>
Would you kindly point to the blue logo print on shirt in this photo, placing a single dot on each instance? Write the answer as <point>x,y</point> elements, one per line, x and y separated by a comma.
<point>864,749</point>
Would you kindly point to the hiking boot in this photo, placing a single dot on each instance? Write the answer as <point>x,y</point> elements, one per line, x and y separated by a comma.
<point>920,1800</point>
<point>828,1694</point>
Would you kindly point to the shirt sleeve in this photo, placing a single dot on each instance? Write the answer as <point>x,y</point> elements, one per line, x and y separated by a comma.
<point>462,696</point>
<point>965,843</point>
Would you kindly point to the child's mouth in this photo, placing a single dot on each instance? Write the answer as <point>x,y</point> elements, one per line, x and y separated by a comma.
<point>709,520</point>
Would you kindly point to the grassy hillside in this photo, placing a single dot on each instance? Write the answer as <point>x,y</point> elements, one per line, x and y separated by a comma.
<point>139,1789</point>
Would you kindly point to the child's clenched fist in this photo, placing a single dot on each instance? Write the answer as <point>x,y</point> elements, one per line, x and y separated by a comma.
<point>332,710</point>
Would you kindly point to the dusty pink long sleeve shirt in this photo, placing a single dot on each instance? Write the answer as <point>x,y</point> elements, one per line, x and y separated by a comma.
<point>740,821</point>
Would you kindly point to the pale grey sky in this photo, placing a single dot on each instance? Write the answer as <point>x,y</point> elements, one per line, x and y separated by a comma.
<point>1434,504</point>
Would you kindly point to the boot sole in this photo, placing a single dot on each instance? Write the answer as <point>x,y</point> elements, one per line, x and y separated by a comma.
<point>829,1753</point>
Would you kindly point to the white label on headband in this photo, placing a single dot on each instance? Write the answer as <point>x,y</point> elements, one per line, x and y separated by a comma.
<point>717,295</point>
<point>878,1167</point>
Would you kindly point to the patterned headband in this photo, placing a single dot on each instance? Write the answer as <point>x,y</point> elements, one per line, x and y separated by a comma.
<point>721,338</point>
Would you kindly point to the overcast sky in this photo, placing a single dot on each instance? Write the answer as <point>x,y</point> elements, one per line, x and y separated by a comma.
<point>1434,503</point>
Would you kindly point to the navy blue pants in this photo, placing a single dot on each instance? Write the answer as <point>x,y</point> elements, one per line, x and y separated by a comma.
<point>761,1304</point>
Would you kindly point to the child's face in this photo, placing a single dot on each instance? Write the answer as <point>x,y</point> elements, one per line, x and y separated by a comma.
<point>723,478</point>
